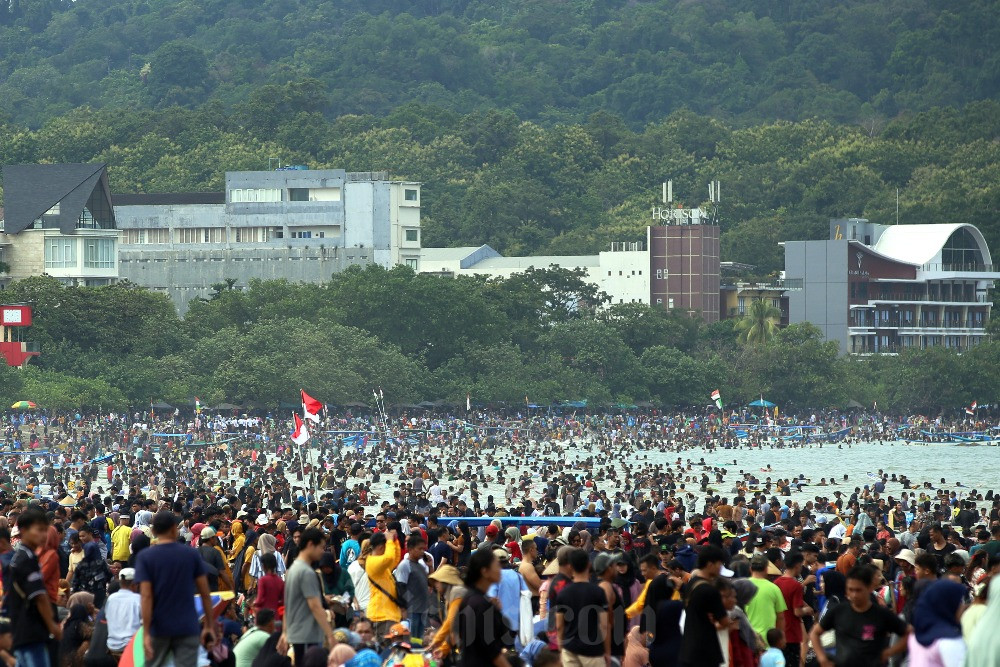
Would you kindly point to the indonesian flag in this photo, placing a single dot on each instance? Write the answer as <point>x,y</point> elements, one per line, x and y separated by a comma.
<point>301,433</point>
<point>310,407</point>
<point>971,410</point>
<point>717,397</point>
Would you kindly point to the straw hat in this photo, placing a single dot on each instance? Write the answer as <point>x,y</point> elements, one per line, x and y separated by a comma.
<point>551,568</point>
<point>446,574</point>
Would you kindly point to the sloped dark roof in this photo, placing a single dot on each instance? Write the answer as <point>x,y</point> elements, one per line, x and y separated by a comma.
<point>32,189</point>
<point>167,198</point>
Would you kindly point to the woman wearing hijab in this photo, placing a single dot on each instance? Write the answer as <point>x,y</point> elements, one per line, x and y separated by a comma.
<point>266,544</point>
<point>48,563</point>
<point>196,534</point>
<point>662,616</point>
<point>936,640</point>
<point>742,637</point>
<point>76,633</point>
<point>340,655</point>
<point>513,542</point>
<point>588,542</point>
<point>335,583</point>
<point>239,541</point>
<point>92,574</point>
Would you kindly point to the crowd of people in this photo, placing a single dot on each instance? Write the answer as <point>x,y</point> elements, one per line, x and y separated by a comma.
<point>216,541</point>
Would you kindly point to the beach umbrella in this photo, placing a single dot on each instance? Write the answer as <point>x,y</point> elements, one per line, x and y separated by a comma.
<point>761,403</point>
<point>24,405</point>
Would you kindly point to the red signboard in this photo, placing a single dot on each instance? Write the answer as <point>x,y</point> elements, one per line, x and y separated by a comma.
<point>15,316</point>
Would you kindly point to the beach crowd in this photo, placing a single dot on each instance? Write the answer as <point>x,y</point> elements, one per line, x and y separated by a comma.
<point>509,538</point>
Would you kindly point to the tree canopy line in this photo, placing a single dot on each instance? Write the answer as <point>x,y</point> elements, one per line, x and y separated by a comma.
<point>541,336</point>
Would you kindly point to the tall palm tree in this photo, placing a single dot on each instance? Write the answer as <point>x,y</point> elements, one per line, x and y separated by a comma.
<point>760,322</point>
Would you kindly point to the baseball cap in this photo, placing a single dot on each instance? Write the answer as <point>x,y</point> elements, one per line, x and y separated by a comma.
<point>208,533</point>
<point>726,572</point>
<point>605,560</point>
<point>398,630</point>
<point>128,574</point>
<point>261,519</point>
<point>492,531</point>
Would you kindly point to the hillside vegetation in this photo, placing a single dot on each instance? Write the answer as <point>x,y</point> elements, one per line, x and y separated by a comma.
<point>552,60</point>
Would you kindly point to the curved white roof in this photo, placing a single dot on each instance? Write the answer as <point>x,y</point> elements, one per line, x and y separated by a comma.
<point>922,244</point>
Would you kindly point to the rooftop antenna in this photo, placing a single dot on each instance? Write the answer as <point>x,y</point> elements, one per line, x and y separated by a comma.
<point>272,160</point>
<point>668,192</point>
<point>897,206</point>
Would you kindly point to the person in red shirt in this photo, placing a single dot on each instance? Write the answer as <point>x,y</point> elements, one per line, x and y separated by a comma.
<point>270,587</point>
<point>796,608</point>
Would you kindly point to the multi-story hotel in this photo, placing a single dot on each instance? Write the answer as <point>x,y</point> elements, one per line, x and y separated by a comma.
<point>882,289</point>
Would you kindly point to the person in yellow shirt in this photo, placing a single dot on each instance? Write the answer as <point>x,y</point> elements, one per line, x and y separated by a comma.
<point>384,609</point>
<point>121,541</point>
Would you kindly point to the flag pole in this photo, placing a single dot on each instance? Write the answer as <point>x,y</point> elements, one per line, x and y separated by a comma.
<point>302,463</point>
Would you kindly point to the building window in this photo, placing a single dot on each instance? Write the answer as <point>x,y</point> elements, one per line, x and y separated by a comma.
<point>410,194</point>
<point>278,232</point>
<point>298,194</point>
<point>659,274</point>
<point>99,253</point>
<point>251,234</point>
<point>60,253</point>
<point>412,235</point>
<point>411,262</point>
<point>142,236</point>
<point>301,235</point>
<point>201,234</point>
<point>251,195</point>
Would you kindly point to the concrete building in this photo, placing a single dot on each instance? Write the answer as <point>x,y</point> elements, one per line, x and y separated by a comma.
<point>883,289</point>
<point>681,271</point>
<point>58,221</point>
<point>294,223</point>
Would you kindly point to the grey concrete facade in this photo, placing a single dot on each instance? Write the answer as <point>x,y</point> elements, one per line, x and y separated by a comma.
<point>300,225</point>
<point>822,301</point>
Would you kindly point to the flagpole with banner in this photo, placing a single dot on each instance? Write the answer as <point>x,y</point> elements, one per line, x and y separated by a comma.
<point>300,436</point>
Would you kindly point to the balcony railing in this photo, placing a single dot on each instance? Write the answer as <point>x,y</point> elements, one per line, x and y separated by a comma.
<point>960,268</point>
<point>946,298</point>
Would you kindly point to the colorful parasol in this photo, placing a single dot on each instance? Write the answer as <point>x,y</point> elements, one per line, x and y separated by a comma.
<point>24,405</point>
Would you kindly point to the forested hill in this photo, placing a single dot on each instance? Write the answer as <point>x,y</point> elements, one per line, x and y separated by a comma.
<point>742,61</point>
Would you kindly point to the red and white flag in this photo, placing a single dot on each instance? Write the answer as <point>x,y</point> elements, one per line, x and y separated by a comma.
<point>971,410</point>
<point>310,407</point>
<point>301,433</point>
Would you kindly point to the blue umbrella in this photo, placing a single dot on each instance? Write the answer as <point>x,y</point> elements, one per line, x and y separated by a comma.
<point>761,403</point>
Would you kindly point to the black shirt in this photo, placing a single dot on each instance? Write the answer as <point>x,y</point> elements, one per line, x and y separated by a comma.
<point>213,558</point>
<point>22,584</point>
<point>701,642</point>
<point>582,604</point>
<point>861,636</point>
<point>482,632</point>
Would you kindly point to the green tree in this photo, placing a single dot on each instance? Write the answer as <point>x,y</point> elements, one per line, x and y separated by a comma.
<point>760,322</point>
